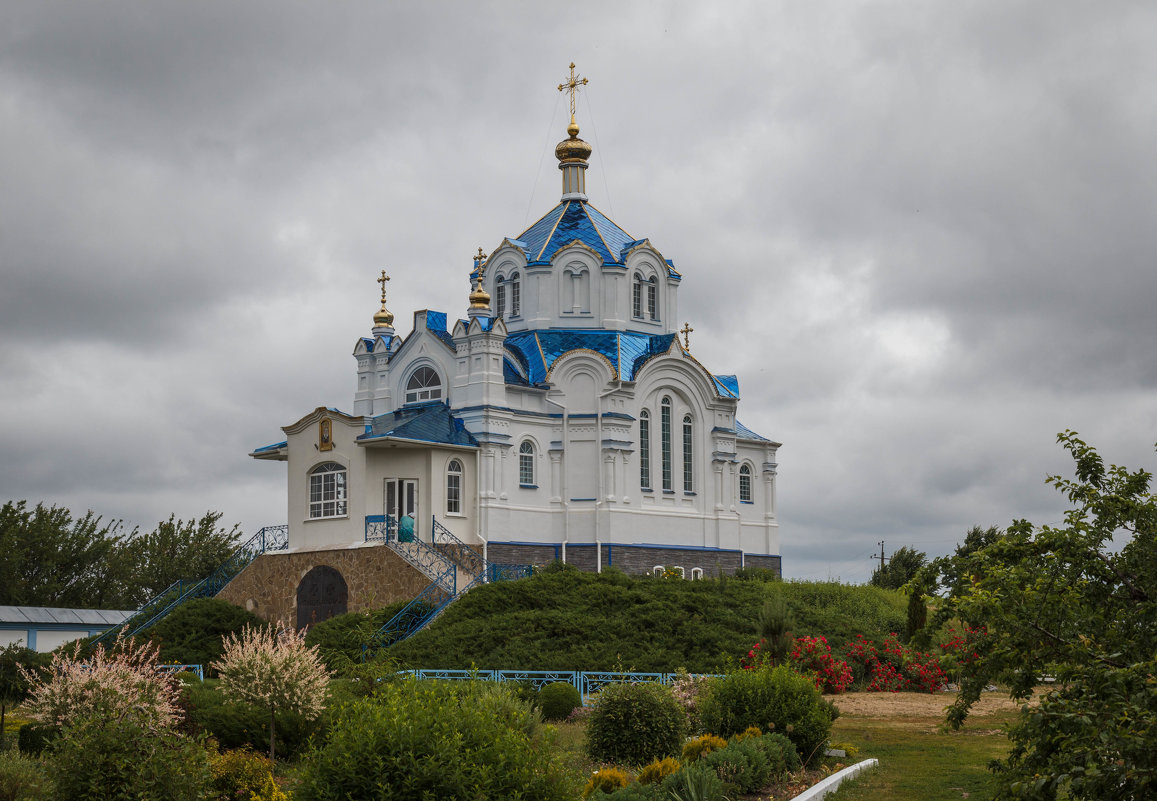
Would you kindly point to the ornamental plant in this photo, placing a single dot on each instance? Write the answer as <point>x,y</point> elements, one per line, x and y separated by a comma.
<point>273,670</point>
<point>813,656</point>
<point>634,724</point>
<point>122,683</point>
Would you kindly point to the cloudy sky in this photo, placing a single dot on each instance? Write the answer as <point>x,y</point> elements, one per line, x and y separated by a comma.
<point>923,234</point>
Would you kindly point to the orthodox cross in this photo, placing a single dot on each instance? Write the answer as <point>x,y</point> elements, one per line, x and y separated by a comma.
<point>382,281</point>
<point>686,332</point>
<point>572,86</point>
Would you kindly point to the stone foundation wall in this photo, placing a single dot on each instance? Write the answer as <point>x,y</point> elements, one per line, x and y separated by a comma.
<point>375,576</point>
<point>768,562</point>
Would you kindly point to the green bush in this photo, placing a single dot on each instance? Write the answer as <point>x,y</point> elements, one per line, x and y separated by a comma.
<point>635,723</point>
<point>340,639</point>
<point>35,737</point>
<point>697,782</point>
<point>191,634</point>
<point>110,760</point>
<point>238,773</point>
<point>606,780</point>
<point>23,778</point>
<point>744,764</point>
<point>772,698</point>
<point>244,726</point>
<point>632,792</point>
<point>430,739</point>
<point>558,700</point>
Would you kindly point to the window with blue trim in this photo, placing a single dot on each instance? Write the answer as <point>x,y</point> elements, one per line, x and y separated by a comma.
<point>745,484</point>
<point>526,463</point>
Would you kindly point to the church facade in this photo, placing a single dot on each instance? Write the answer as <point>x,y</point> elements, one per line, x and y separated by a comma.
<point>561,418</point>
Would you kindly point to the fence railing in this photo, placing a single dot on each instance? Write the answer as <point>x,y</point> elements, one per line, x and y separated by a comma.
<point>587,682</point>
<point>196,670</point>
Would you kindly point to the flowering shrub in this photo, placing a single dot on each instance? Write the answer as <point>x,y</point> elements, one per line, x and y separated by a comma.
<point>960,649</point>
<point>119,684</point>
<point>893,667</point>
<point>658,770</point>
<point>687,690</point>
<point>694,749</point>
<point>608,780</point>
<point>813,655</point>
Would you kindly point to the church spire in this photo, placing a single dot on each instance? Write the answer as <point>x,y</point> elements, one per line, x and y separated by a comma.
<point>383,318</point>
<point>479,298</point>
<point>572,153</point>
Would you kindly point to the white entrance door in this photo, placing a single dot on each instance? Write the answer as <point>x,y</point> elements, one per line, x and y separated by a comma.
<point>401,500</point>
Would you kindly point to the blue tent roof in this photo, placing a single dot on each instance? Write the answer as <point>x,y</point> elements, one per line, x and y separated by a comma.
<point>424,422</point>
<point>571,220</point>
<point>743,432</point>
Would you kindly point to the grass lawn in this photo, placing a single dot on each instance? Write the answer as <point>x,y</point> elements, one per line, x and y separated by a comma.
<point>920,759</point>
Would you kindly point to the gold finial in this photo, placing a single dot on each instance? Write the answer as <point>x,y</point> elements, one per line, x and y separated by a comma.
<point>572,86</point>
<point>479,298</point>
<point>383,318</point>
<point>686,332</point>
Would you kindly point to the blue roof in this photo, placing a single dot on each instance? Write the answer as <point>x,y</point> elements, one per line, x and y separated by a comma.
<point>627,352</point>
<point>729,383</point>
<point>274,447</point>
<point>371,341</point>
<point>571,220</point>
<point>425,422</point>
<point>436,325</point>
<point>743,432</point>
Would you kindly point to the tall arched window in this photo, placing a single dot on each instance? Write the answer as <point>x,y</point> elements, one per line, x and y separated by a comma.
<point>454,487</point>
<point>526,463</point>
<point>652,300</point>
<point>637,296</point>
<point>644,298</point>
<point>665,441</point>
<point>745,484</point>
<point>645,449</point>
<point>499,296</point>
<point>688,456</point>
<point>423,385</point>
<point>327,490</point>
<point>515,296</point>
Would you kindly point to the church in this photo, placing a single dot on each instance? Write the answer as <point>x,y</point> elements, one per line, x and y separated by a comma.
<point>562,417</point>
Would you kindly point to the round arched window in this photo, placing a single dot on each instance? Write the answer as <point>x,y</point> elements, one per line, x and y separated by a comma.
<point>424,385</point>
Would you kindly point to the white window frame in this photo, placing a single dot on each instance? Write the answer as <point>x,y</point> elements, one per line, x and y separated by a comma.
<point>426,392</point>
<point>328,491</point>
<point>454,473</point>
<point>745,483</point>
<point>526,464</point>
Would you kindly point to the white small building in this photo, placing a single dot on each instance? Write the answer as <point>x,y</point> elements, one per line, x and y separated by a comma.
<point>46,628</point>
<point>562,417</point>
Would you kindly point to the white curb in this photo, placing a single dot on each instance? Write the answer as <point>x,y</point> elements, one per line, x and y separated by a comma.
<point>829,785</point>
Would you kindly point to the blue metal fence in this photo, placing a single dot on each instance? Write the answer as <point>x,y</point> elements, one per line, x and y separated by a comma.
<point>587,682</point>
<point>197,670</point>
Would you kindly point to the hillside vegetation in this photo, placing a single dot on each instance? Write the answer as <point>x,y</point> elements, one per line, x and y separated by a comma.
<point>567,620</point>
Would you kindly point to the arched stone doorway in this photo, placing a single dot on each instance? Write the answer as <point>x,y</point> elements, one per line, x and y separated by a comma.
<point>321,594</point>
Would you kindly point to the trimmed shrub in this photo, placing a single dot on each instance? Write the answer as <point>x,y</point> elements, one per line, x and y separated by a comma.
<point>558,700</point>
<point>774,699</point>
<point>606,780</point>
<point>633,724</point>
<point>33,738</point>
<point>340,639</point>
<point>694,749</point>
<point>658,770</point>
<point>238,773</point>
<point>632,792</point>
<point>191,634</point>
<point>430,739</point>
<point>743,764</point>
<point>115,760</point>
<point>23,778</point>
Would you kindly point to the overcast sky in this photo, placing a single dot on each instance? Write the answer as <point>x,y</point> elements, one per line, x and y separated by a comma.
<point>923,234</point>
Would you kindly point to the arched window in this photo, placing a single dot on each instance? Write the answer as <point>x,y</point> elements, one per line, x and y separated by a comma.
<point>499,296</point>
<point>652,300</point>
<point>665,441</point>
<point>526,463</point>
<point>745,484</point>
<point>327,490</point>
<point>688,456</point>
<point>423,385</point>
<point>637,297</point>
<point>644,298</point>
<point>515,296</point>
<point>645,449</point>
<point>696,573</point>
<point>454,487</point>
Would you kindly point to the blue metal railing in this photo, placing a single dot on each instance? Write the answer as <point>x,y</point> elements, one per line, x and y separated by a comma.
<point>587,682</point>
<point>270,538</point>
<point>196,670</point>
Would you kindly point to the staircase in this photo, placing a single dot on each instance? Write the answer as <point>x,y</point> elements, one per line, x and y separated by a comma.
<point>452,566</point>
<point>270,538</point>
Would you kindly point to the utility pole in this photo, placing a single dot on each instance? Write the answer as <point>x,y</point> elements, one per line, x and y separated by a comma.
<point>881,557</point>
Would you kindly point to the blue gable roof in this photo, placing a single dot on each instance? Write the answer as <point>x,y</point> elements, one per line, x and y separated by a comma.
<point>425,422</point>
<point>626,351</point>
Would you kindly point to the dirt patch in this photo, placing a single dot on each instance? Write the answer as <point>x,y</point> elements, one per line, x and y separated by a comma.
<point>917,705</point>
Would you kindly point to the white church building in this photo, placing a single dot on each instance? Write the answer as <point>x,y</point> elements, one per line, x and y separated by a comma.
<point>561,418</point>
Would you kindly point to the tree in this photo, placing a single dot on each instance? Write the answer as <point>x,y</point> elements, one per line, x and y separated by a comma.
<point>17,663</point>
<point>273,670</point>
<point>899,570</point>
<point>175,550</point>
<point>1076,602</point>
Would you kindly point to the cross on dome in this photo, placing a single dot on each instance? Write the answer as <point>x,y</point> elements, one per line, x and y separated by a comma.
<point>572,86</point>
<point>686,332</point>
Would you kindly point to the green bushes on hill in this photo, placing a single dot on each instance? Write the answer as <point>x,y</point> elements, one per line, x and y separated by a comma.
<point>568,620</point>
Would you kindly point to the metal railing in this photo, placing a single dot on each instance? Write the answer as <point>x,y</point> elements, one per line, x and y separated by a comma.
<point>196,670</point>
<point>270,538</point>
<point>587,682</point>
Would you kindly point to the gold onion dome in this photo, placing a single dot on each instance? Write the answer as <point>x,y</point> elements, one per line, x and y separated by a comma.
<point>573,149</point>
<point>479,298</point>
<point>384,318</point>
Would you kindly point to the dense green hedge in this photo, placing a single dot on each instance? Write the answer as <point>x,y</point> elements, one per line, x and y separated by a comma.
<point>191,634</point>
<point>567,620</point>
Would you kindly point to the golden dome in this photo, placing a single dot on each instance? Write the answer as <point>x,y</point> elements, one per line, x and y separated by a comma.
<point>479,298</point>
<point>384,318</point>
<point>573,149</point>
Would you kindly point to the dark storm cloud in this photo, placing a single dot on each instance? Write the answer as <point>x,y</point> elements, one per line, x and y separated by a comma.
<point>920,234</point>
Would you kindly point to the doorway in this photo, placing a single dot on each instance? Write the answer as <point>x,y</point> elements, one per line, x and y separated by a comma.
<point>401,500</point>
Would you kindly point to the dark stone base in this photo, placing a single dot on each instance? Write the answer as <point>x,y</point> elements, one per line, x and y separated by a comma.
<point>632,558</point>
